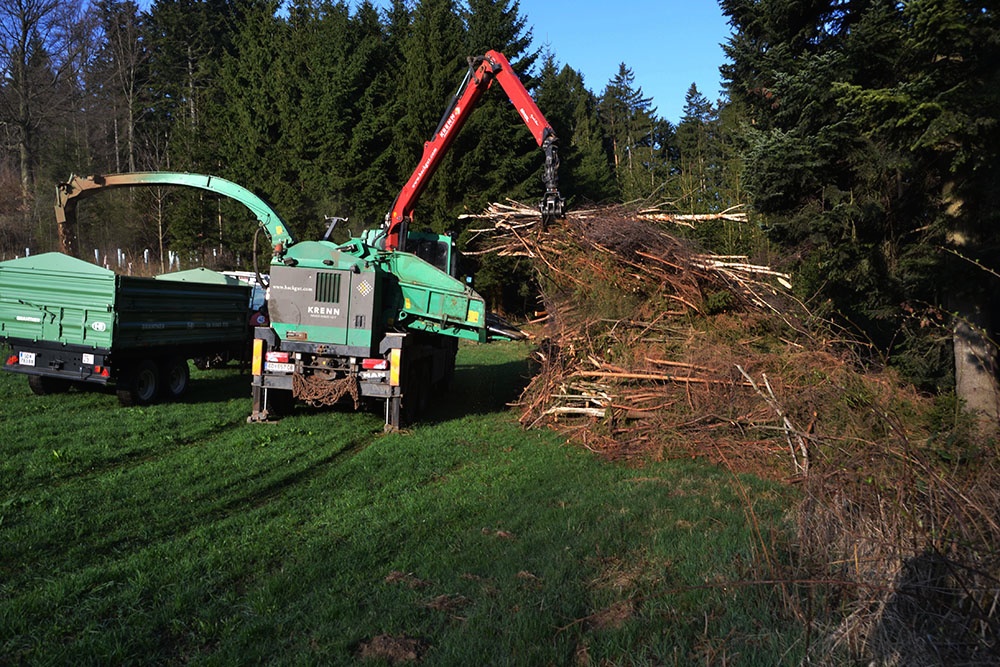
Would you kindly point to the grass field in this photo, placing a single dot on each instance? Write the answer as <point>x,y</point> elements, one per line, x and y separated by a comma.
<point>179,533</point>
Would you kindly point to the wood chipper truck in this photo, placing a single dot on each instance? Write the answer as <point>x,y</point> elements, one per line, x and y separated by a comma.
<point>378,317</point>
<point>70,322</point>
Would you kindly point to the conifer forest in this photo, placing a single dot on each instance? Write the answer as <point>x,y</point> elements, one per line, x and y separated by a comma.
<point>860,138</point>
<point>833,221</point>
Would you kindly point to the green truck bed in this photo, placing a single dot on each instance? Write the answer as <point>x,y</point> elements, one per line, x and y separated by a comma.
<point>57,298</point>
<point>68,321</point>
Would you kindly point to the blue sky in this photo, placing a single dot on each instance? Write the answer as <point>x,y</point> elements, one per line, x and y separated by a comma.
<point>668,44</point>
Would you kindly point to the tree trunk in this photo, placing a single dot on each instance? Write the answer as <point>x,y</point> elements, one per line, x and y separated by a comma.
<point>976,380</point>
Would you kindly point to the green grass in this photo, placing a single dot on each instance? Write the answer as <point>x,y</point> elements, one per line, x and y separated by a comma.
<point>179,533</point>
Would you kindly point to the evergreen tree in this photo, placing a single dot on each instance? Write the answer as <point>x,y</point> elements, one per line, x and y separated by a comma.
<point>585,169</point>
<point>115,78</point>
<point>874,147</point>
<point>433,62</point>
<point>496,156</point>
<point>699,188</point>
<point>258,97</point>
<point>369,164</point>
<point>188,41</point>
<point>636,136</point>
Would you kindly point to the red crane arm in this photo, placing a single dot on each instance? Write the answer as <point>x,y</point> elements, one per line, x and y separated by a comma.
<point>482,71</point>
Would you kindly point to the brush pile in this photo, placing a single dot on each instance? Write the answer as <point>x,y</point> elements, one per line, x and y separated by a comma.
<point>651,348</point>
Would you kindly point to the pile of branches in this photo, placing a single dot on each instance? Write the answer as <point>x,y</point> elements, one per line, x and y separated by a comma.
<point>626,365</point>
<point>651,348</point>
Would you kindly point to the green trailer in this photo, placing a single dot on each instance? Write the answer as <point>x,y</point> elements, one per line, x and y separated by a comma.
<point>69,322</point>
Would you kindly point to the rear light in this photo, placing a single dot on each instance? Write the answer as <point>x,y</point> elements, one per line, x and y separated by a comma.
<point>11,360</point>
<point>102,371</point>
<point>374,364</point>
<point>276,357</point>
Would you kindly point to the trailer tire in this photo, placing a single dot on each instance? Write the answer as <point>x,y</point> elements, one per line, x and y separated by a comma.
<point>141,387</point>
<point>41,385</point>
<point>175,374</point>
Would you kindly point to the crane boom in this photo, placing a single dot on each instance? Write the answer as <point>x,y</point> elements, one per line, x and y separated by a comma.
<point>483,70</point>
<point>76,188</point>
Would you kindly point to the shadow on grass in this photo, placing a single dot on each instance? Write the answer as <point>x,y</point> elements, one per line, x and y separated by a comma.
<point>214,386</point>
<point>479,389</point>
<point>207,387</point>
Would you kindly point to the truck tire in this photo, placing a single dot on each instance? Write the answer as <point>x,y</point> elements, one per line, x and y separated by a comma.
<point>175,374</point>
<point>141,386</point>
<point>41,385</point>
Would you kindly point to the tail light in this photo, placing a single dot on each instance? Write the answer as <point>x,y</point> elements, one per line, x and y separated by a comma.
<point>11,360</point>
<point>374,364</point>
<point>276,357</point>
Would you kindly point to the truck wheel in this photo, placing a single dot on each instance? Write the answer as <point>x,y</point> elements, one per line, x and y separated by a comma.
<point>175,374</point>
<point>41,385</point>
<point>141,387</point>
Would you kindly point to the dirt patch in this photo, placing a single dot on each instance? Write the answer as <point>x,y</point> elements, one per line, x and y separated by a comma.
<point>406,579</point>
<point>612,617</point>
<point>447,603</point>
<point>395,650</point>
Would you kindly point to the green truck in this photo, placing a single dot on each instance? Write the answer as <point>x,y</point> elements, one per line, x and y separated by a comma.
<point>375,319</point>
<point>69,322</point>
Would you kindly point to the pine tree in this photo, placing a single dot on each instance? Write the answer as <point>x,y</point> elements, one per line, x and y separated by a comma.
<point>188,41</point>
<point>370,170</point>
<point>874,146</point>
<point>496,156</point>
<point>433,62</point>
<point>635,133</point>
<point>694,140</point>
<point>585,170</point>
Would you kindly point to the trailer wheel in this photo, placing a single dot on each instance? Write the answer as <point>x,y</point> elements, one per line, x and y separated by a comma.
<point>176,375</point>
<point>141,387</point>
<point>41,385</point>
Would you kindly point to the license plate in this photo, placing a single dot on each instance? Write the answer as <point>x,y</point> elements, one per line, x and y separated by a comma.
<point>26,358</point>
<point>276,367</point>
